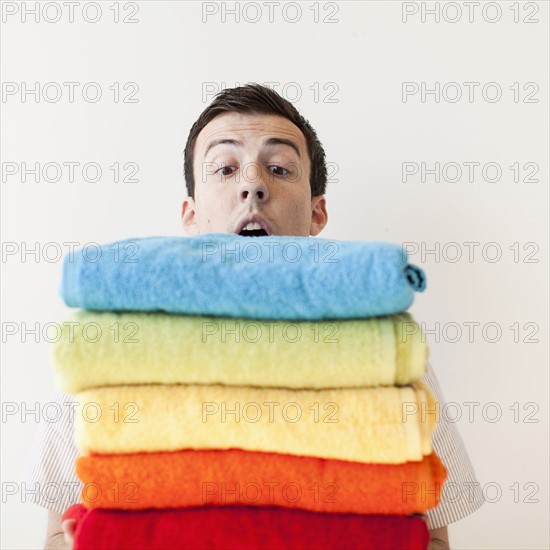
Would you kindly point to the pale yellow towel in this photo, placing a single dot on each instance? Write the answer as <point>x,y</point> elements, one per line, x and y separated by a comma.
<point>382,425</point>
<point>108,349</point>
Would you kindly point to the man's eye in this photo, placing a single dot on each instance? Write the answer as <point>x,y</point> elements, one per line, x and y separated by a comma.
<point>284,172</point>
<point>223,169</point>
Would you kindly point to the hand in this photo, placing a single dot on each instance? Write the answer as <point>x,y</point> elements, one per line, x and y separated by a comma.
<point>439,537</point>
<point>68,527</point>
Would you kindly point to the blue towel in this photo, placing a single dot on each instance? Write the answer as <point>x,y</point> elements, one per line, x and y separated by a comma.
<point>224,274</point>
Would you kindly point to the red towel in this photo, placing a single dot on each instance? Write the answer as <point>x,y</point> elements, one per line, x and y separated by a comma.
<point>191,478</point>
<point>243,528</point>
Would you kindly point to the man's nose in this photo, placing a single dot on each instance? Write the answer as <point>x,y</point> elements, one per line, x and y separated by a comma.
<point>253,185</point>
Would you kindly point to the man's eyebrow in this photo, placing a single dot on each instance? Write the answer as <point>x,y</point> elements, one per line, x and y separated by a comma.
<point>215,142</point>
<point>283,141</point>
<point>270,142</point>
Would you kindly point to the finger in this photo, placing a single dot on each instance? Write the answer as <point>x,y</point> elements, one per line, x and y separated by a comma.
<point>68,527</point>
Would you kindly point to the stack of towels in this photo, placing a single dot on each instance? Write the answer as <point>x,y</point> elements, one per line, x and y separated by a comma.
<point>239,392</point>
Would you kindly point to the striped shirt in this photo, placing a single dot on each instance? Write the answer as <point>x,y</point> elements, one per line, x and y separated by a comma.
<point>50,479</point>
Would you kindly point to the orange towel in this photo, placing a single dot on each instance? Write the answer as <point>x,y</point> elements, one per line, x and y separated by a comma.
<point>190,478</point>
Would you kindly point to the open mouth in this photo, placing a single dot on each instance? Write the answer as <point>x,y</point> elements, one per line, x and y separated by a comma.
<point>253,233</point>
<point>254,229</point>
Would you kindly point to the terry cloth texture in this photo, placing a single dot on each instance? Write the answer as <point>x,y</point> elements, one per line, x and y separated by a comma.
<point>184,479</point>
<point>300,278</point>
<point>52,463</point>
<point>390,425</point>
<point>108,349</point>
<point>243,528</point>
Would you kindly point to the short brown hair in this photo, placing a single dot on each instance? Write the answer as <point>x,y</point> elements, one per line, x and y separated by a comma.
<point>250,99</point>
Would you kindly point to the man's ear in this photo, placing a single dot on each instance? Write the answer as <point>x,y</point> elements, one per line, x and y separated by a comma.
<point>188,216</point>
<point>319,216</point>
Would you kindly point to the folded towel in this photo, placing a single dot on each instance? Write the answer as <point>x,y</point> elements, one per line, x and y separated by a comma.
<point>109,349</point>
<point>243,528</point>
<point>184,479</point>
<point>386,425</point>
<point>225,274</point>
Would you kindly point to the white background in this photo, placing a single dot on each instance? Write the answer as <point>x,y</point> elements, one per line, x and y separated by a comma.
<point>369,131</point>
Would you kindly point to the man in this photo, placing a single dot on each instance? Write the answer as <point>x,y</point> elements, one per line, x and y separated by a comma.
<point>254,166</point>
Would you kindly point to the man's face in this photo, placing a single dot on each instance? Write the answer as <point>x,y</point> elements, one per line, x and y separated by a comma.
<point>260,170</point>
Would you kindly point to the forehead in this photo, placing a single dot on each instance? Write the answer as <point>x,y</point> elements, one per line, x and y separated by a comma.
<point>250,128</point>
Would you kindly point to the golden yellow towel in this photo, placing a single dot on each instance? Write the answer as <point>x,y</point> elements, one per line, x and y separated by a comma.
<point>108,349</point>
<point>389,425</point>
